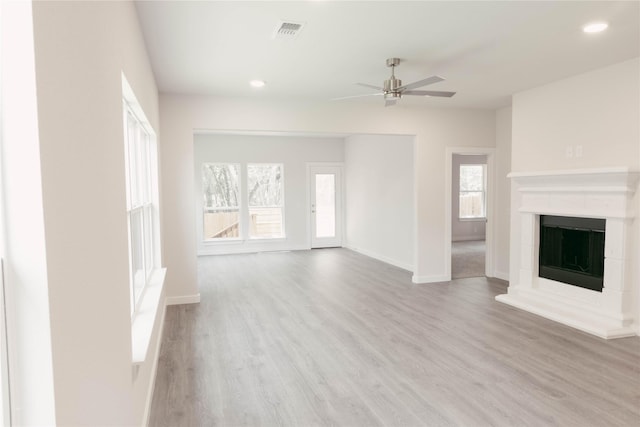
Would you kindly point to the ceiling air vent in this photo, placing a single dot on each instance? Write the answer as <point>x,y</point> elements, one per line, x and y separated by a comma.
<point>287,30</point>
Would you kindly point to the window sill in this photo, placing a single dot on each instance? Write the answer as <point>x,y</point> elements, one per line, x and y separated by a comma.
<point>268,239</point>
<point>483,219</point>
<point>242,241</point>
<point>223,242</point>
<point>144,318</point>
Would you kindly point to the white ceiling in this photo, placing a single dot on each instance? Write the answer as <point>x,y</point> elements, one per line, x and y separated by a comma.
<point>486,50</point>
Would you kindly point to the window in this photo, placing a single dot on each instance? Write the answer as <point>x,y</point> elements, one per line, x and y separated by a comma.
<point>266,200</point>
<point>472,191</point>
<point>221,204</point>
<point>142,211</point>
<point>231,214</point>
<point>146,275</point>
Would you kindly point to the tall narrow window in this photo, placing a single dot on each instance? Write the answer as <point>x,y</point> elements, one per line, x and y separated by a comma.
<point>221,204</point>
<point>266,200</point>
<point>472,192</point>
<point>142,210</point>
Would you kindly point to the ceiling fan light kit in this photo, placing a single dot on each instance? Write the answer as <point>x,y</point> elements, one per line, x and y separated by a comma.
<point>392,88</point>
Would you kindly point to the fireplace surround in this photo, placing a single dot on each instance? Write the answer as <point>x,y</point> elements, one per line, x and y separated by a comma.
<point>601,194</point>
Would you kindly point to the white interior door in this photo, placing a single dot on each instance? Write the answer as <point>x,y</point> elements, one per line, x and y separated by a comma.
<point>326,206</point>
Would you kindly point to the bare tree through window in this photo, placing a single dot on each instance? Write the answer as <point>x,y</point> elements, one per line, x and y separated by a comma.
<point>221,216</point>
<point>266,201</point>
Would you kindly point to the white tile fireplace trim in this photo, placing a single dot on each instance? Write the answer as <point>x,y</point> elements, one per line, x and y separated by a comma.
<point>593,193</point>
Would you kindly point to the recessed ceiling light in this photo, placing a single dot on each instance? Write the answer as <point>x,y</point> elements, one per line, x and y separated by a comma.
<point>257,83</point>
<point>595,27</point>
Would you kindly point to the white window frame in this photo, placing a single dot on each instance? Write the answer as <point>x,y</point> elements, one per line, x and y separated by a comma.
<point>140,205</point>
<point>240,207</point>
<point>281,207</point>
<point>483,191</point>
<point>146,303</point>
<point>244,232</point>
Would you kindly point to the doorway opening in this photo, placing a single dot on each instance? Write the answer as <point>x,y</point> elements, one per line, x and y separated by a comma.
<point>468,244</point>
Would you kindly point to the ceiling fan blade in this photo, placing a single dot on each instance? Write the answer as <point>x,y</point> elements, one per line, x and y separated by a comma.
<point>428,81</point>
<point>440,93</point>
<point>356,96</point>
<point>390,102</point>
<point>369,86</point>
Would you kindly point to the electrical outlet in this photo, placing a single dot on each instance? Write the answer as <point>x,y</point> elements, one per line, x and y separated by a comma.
<point>578,151</point>
<point>568,153</point>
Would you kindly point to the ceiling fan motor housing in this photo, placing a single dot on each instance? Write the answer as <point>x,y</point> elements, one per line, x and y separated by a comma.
<point>392,95</point>
<point>391,85</point>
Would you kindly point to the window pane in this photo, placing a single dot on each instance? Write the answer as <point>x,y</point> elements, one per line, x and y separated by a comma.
<point>265,185</point>
<point>134,160</point>
<point>220,185</point>
<point>221,192</point>
<point>471,177</point>
<point>137,253</point>
<point>145,169</point>
<point>265,222</point>
<point>266,201</point>
<point>472,204</point>
<point>221,223</point>
<point>148,240</point>
<point>472,191</point>
<point>325,205</point>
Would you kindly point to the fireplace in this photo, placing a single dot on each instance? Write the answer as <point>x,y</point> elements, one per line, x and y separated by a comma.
<point>562,267</point>
<point>572,250</point>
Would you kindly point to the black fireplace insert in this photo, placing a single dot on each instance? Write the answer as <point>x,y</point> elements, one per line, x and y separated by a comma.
<point>572,250</point>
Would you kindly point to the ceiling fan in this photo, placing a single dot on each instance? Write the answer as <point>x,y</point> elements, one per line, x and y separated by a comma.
<point>392,90</point>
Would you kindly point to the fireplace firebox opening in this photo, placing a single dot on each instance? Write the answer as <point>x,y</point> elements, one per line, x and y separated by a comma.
<point>572,250</point>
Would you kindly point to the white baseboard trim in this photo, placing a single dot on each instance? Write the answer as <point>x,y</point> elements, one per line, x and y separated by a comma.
<point>154,368</point>
<point>501,275</point>
<point>185,299</point>
<point>382,258</point>
<point>430,279</point>
<point>468,237</point>
<point>237,248</point>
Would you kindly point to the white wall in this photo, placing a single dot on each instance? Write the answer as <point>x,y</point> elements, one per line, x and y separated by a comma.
<point>294,152</point>
<point>502,207</point>
<point>599,110</point>
<point>25,263</point>
<point>434,130</point>
<point>81,49</point>
<point>464,229</point>
<point>380,204</point>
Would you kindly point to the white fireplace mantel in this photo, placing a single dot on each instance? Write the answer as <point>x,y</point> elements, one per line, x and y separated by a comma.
<point>589,193</point>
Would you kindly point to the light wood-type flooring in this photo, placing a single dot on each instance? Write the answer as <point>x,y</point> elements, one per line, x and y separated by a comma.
<point>467,259</point>
<point>331,337</point>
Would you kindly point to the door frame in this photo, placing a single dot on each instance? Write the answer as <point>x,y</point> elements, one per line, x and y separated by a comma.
<point>341,214</point>
<point>490,229</point>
